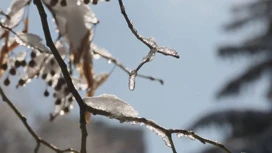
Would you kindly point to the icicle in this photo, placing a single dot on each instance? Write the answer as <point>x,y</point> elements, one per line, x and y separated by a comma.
<point>132,80</point>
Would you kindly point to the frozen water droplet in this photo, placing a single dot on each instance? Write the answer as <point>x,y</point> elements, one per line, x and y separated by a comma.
<point>132,80</point>
<point>96,56</point>
<point>133,122</point>
<point>31,41</point>
<point>27,81</point>
<point>78,2</point>
<point>180,135</point>
<point>71,106</point>
<point>61,112</point>
<point>109,61</point>
<point>167,51</point>
<point>191,137</point>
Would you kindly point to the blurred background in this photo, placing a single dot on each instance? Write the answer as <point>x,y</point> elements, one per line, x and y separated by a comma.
<point>221,86</point>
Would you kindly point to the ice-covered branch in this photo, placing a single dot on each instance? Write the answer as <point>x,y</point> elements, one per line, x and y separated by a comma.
<point>113,107</point>
<point>149,42</point>
<point>28,39</point>
<point>103,53</point>
<point>109,105</point>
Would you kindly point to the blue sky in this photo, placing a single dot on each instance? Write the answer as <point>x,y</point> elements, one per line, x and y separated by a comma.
<point>194,29</point>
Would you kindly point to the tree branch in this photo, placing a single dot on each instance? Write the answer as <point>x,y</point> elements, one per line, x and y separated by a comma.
<point>84,107</point>
<point>4,14</point>
<point>165,131</point>
<point>172,143</point>
<point>30,130</point>
<point>149,42</point>
<point>108,57</point>
<point>135,32</point>
<point>66,74</point>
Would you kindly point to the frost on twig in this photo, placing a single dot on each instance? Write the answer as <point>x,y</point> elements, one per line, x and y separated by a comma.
<point>112,104</point>
<point>31,41</point>
<point>14,14</point>
<point>149,42</point>
<point>97,52</point>
<point>114,107</point>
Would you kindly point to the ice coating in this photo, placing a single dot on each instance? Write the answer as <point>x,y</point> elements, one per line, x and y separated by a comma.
<point>132,78</point>
<point>111,104</point>
<point>31,41</point>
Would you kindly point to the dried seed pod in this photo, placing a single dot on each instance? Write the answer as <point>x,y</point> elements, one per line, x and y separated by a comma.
<point>21,82</point>
<point>12,71</point>
<point>52,72</point>
<point>46,93</point>
<point>63,3</point>
<point>32,63</point>
<point>66,109</point>
<point>23,63</point>
<point>70,99</point>
<point>53,2</point>
<point>52,61</point>
<point>86,1</point>
<point>7,81</point>
<point>95,2</point>
<point>33,55</point>
<point>58,102</point>
<point>17,64</point>
<point>44,76</point>
<point>50,82</point>
<point>4,66</point>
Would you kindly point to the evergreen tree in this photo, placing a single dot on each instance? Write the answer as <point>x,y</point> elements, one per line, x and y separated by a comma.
<point>251,130</point>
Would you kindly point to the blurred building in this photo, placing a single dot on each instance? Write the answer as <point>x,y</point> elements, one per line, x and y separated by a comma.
<point>65,133</point>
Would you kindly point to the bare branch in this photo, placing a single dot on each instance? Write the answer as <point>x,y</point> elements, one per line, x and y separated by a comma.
<point>9,29</point>
<point>4,14</point>
<point>66,74</point>
<point>30,130</point>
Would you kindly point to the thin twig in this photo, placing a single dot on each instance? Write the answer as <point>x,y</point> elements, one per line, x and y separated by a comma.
<point>149,42</point>
<point>137,35</point>
<point>124,68</point>
<point>9,29</point>
<point>66,74</point>
<point>30,130</point>
<point>4,14</point>
<point>152,124</point>
<point>130,25</point>
<point>201,139</point>
<point>169,135</point>
<point>84,133</point>
<point>17,35</point>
